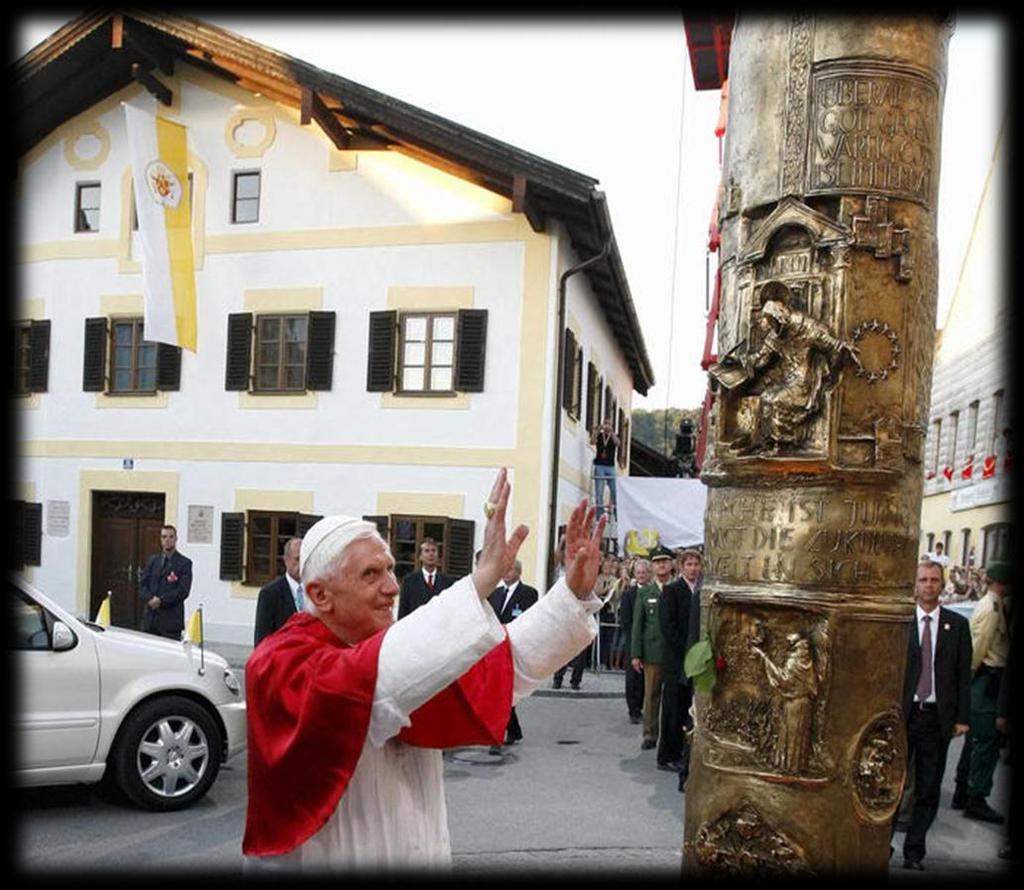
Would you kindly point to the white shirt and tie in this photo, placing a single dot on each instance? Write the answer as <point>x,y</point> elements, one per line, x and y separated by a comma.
<point>428,576</point>
<point>297,592</point>
<point>509,592</point>
<point>927,630</point>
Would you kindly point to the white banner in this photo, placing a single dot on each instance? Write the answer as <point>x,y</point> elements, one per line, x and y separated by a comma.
<point>653,510</point>
<point>160,173</point>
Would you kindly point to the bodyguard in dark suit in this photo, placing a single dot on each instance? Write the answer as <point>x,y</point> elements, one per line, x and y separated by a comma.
<point>419,586</point>
<point>936,700</point>
<point>165,584</point>
<point>509,600</point>
<point>674,618</point>
<point>627,604</point>
<point>282,597</point>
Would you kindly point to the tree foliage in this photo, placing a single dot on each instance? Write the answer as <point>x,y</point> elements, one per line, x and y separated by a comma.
<point>657,429</point>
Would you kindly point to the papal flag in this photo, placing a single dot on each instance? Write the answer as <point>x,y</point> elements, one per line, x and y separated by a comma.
<point>160,173</point>
<point>103,613</point>
<point>195,626</point>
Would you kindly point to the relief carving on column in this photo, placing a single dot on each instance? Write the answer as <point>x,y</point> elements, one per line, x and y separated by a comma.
<point>801,46</point>
<point>878,768</point>
<point>741,842</point>
<point>767,713</point>
<point>777,378</point>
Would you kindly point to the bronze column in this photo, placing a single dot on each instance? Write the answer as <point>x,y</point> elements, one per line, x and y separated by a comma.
<point>826,333</point>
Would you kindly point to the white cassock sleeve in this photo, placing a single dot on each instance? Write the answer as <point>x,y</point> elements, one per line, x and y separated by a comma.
<point>438,642</point>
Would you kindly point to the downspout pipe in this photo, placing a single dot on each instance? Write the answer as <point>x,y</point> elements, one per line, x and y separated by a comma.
<point>559,389</point>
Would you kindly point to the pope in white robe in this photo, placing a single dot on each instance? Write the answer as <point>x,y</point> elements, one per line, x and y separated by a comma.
<point>349,710</point>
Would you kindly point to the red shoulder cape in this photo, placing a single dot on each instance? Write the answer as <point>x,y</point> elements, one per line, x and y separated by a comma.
<point>308,710</point>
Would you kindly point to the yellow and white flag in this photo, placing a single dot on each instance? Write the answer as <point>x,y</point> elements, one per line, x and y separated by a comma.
<point>195,626</point>
<point>103,613</point>
<point>160,171</point>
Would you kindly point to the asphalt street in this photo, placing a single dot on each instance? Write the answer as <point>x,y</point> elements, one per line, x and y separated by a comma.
<point>576,796</point>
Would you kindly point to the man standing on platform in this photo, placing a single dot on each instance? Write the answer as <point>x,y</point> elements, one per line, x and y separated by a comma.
<point>420,586</point>
<point>936,700</point>
<point>606,443</point>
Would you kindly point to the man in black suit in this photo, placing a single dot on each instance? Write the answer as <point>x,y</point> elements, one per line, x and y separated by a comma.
<point>165,584</point>
<point>674,618</point>
<point>509,600</point>
<point>282,597</point>
<point>419,586</point>
<point>627,602</point>
<point>936,700</point>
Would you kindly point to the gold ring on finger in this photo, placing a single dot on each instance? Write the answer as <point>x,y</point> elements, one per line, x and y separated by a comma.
<point>490,508</point>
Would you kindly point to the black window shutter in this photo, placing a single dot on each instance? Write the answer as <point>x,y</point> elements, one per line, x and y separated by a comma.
<point>304,522</point>
<point>32,534</point>
<point>168,367</point>
<point>568,362</point>
<point>39,356</point>
<point>94,370</point>
<point>15,558</point>
<point>460,547</point>
<point>239,358</point>
<point>380,363</point>
<point>383,525</point>
<point>232,546</point>
<point>472,350</point>
<point>320,351</point>
<point>591,376</point>
<point>578,373</point>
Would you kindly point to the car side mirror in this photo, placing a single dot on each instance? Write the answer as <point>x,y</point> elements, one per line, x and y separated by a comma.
<point>63,637</point>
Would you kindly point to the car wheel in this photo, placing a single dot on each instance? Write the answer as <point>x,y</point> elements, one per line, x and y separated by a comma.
<point>167,754</point>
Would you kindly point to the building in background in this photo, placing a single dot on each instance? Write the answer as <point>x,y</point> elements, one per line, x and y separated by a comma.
<point>968,461</point>
<point>390,307</point>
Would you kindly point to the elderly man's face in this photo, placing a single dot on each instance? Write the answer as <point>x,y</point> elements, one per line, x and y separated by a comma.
<point>513,574</point>
<point>642,572</point>
<point>356,600</point>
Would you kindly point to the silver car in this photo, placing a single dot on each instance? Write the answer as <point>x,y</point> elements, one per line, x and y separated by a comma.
<point>153,717</point>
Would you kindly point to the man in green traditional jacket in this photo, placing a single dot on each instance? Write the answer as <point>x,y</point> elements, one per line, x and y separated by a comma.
<point>647,647</point>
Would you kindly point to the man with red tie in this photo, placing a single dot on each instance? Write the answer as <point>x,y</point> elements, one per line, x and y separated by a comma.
<point>429,581</point>
<point>936,700</point>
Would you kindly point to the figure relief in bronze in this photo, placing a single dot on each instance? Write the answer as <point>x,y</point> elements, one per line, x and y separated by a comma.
<point>768,709</point>
<point>742,843</point>
<point>878,768</point>
<point>796,362</point>
<point>794,679</point>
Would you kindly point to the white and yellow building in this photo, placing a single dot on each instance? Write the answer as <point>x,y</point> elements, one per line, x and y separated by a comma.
<point>387,306</point>
<point>968,463</point>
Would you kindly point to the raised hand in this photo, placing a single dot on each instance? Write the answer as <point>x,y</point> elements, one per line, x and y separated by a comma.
<point>498,554</point>
<point>583,549</point>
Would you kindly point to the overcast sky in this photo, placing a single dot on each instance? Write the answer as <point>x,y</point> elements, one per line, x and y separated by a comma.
<point>614,99</point>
